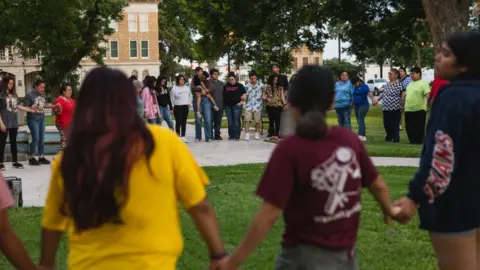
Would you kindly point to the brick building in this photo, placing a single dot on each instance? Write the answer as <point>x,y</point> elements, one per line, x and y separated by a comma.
<point>303,56</point>
<point>133,48</point>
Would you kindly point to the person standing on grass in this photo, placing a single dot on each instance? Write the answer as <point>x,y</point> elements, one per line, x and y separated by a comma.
<point>35,100</point>
<point>9,120</point>
<point>274,97</point>
<point>343,101</point>
<point>216,88</point>
<point>205,108</point>
<point>393,96</point>
<point>253,105</point>
<point>164,101</point>
<point>10,244</point>
<point>182,101</point>
<point>233,99</point>
<point>417,94</point>
<point>315,178</point>
<point>113,166</point>
<point>140,104</point>
<point>405,79</point>
<point>64,112</point>
<point>149,97</point>
<point>361,93</point>
<point>283,82</point>
<point>445,187</point>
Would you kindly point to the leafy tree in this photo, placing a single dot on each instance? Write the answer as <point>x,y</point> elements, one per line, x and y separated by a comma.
<point>339,66</point>
<point>63,32</point>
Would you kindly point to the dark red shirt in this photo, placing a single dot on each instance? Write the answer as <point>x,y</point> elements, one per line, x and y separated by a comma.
<point>317,184</point>
<point>66,113</point>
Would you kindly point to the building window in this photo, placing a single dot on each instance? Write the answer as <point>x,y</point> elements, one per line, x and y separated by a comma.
<point>143,22</point>
<point>144,45</point>
<point>114,26</point>
<point>132,22</point>
<point>3,55</point>
<point>114,49</point>
<point>144,74</point>
<point>134,73</point>
<point>295,63</point>
<point>133,49</point>
<point>305,61</point>
<point>317,60</point>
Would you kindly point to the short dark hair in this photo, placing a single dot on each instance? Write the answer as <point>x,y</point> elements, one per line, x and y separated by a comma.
<point>63,88</point>
<point>356,79</point>
<point>177,80</point>
<point>403,68</point>
<point>276,65</point>
<point>38,82</point>
<point>252,73</point>
<point>416,70</point>
<point>231,74</point>
<point>213,70</point>
<point>197,69</point>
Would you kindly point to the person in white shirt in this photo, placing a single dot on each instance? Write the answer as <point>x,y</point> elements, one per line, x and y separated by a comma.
<point>182,101</point>
<point>254,105</point>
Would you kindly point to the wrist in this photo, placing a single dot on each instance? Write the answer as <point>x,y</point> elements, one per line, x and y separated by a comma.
<point>218,256</point>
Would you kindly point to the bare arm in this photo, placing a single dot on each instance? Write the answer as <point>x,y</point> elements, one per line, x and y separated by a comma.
<point>282,96</point>
<point>403,99</point>
<point>379,190</point>
<point>50,241</point>
<point>260,227</point>
<point>206,223</point>
<point>26,109</point>
<point>12,246</point>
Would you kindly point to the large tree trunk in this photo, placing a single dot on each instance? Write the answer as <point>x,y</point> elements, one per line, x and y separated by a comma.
<point>445,17</point>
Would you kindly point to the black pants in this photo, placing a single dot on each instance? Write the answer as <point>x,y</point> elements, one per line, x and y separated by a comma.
<point>415,126</point>
<point>180,112</point>
<point>390,123</point>
<point>12,133</point>
<point>274,116</point>
<point>217,117</point>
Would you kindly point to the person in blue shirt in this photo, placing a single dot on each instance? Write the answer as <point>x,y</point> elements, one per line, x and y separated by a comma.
<point>446,186</point>
<point>361,92</point>
<point>343,101</point>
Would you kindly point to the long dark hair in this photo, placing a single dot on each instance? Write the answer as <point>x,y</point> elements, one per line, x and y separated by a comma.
<point>106,139</point>
<point>149,82</point>
<point>465,45</point>
<point>271,81</point>
<point>159,85</point>
<point>4,87</point>
<point>312,93</point>
<point>177,80</point>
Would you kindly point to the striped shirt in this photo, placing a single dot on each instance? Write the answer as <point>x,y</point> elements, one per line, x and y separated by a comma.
<point>392,96</point>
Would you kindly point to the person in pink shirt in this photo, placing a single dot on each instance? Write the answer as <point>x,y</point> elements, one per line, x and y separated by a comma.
<point>11,246</point>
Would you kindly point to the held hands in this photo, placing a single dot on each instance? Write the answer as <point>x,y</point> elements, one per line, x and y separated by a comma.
<point>407,210</point>
<point>375,102</point>
<point>3,128</point>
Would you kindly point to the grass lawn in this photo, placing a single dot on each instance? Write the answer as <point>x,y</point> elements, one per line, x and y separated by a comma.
<point>379,248</point>
<point>376,145</point>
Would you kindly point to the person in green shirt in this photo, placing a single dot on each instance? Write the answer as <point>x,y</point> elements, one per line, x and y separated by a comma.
<point>415,109</point>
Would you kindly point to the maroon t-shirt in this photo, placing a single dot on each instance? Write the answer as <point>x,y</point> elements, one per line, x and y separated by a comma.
<point>317,184</point>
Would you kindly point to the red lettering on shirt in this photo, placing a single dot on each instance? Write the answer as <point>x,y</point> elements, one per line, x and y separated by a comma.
<point>443,160</point>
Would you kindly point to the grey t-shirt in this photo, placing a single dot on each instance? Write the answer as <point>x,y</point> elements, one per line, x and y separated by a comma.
<point>32,98</point>
<point>217,91</point>
<point>8,110</point>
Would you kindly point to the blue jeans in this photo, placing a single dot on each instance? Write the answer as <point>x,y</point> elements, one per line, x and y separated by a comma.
<point>165,112</point>
<point>206,111</point>
<point>343,115</point>
<point>360,113</point>
<point>37,129</point>
<point>233,117</point>
<point>157,121</point>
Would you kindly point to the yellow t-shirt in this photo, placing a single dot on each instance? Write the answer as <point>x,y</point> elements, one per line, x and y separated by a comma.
<point>151,236</point>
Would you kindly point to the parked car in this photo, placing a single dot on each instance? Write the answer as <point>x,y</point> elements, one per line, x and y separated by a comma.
<point>376,85</point>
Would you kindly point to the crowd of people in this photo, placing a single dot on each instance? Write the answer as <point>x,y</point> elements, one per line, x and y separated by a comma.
<point>115,187</point>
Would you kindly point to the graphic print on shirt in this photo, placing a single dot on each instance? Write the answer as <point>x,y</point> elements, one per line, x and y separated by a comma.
<point>331,176</point>
<point>11,103</point>
<point>443,161</point>
<point>40,102</point>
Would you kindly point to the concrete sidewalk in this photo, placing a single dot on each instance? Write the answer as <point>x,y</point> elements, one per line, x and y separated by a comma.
<point>215,153</point>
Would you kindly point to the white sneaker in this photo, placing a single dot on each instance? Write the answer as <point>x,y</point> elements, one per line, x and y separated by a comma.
<point>184,140</point>
<point>247,137</point>
<point>257,136</point>
<point>362,138</point>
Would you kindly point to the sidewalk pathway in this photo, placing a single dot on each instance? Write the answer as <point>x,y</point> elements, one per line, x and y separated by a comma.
<point>214,153</point>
